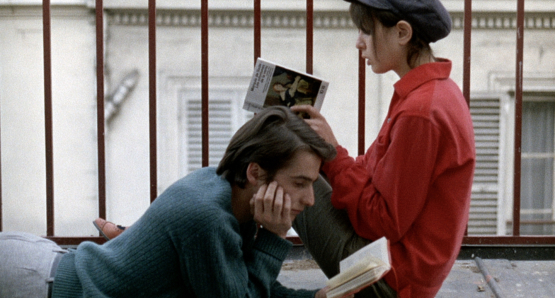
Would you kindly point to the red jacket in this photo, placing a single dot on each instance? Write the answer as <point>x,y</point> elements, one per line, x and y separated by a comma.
<point>413,184</point>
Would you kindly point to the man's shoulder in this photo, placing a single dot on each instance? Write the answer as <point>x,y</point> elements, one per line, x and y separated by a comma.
<point>202,181</point>
<point>201,189</point>
<point>198,199</point>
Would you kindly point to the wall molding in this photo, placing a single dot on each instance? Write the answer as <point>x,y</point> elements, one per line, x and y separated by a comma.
<point>322,19</point>
<point>504,82</point>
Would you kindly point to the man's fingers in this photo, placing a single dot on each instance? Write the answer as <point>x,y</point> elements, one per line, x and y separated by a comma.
<point>271,208</point>
<point>269,196</point>
<point>278,202</point>
<point>286,206</point>
<point>259,200</point>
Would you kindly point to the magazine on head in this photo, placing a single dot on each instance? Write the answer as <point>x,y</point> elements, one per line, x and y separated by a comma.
<point>273,84</point>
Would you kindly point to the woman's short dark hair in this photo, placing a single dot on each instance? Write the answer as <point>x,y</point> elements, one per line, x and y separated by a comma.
<point>270,139</point>
<point>364,18</point>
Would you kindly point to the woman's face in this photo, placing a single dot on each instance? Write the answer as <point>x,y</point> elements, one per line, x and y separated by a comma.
<point>380,49</point>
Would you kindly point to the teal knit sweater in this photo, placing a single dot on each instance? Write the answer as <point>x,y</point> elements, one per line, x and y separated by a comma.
<point>187,244</point>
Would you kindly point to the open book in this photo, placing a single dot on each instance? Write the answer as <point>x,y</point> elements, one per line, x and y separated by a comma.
<point>361,269</point>
<point>273,84</point>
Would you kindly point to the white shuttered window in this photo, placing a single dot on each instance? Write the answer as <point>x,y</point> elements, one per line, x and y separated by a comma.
<point>225,117</point>
<point>485,190</point>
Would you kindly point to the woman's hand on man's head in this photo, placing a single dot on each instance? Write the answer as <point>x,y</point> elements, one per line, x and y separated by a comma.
<point>317,122</point>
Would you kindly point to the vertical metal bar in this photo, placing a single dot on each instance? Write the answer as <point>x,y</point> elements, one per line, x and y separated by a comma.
<point>361,103</point>
<point>100,108</point>
<point>1,207</point>
<point>152,97</point>
<point>309,35</point>
<point>467,49</point>
<point>518,116</point>
<point>467,55</point>
<point>204,92</point>
<point>257,33</point>
<point>48,117</point>
<point>257,30</point>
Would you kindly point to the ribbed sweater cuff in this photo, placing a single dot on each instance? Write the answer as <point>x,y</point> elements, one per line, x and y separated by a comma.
<point>66,282</point>
<point>272,244</point>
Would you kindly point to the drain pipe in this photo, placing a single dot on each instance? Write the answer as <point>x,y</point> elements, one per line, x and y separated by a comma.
<point>489,279</point>
<point>120,94</point>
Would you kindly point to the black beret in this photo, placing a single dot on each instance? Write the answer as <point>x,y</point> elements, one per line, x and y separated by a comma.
<point>428,17</point>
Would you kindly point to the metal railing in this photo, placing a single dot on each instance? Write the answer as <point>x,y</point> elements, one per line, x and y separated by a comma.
<point>515,239</point>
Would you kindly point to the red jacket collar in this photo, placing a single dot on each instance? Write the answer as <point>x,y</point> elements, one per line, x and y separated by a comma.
<point>424,73</point>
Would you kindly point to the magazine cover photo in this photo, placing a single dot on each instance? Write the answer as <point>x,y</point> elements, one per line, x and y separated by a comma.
<point>290,88</point>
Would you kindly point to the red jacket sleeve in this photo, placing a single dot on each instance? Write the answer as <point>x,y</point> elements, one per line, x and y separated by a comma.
<point>384,190</point>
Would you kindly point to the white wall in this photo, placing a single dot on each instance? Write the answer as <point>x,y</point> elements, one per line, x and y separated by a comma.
<point>22,112</point>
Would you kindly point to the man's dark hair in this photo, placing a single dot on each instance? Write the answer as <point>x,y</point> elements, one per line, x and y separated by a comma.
<point>270,139</point>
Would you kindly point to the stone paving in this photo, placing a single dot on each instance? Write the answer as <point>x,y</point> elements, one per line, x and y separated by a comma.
<point>510,279</point>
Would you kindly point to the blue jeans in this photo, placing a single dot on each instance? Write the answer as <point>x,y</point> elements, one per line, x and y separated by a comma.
<point>329,236</point>
<point>25,265</point>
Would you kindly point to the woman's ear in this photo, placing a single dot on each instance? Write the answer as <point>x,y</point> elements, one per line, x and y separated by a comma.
<point>404,32</point>
<point>254,173</point>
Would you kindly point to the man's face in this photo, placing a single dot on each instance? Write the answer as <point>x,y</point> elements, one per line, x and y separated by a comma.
<point>297,179</point>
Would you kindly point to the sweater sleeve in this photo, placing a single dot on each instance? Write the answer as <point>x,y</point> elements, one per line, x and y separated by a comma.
<point>385,190</point>
<point>218,259</point>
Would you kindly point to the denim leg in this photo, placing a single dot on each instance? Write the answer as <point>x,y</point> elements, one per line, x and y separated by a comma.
<point>25,264</point>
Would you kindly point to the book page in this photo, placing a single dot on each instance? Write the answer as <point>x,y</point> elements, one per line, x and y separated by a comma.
<point>361,269</point>
<point>363,266</point>
<point>357,283</point>
<point>378,249</point>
